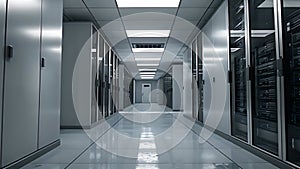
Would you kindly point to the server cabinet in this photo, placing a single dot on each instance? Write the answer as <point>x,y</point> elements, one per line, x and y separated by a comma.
<point>238,67</point>
<point>200,77</point>
<point>168,88</point>
<point>2,41</point>
<point>264,80</point>
<point>101,78</point>
<point>194,79</point>
<point>49,120</point>
<point>79,67</point>
<point>94,60</point>
<point>106,80</point>
<point>22,72</point>
<point>291,49</point>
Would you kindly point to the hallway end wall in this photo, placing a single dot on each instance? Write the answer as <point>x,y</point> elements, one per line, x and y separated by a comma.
<point>138,90</point>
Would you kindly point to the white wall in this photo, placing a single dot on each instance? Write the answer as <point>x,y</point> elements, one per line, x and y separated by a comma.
<point>177,77</point>
<point>215,56</point>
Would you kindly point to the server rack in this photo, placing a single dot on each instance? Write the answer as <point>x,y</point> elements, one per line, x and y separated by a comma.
<point>238,65</point>
<point>200,77</point>
<point>292,83</point>
<point>265,81</point>
<point>101,78</point>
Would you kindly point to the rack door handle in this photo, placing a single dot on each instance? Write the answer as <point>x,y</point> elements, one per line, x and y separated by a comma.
<point>10,51</point>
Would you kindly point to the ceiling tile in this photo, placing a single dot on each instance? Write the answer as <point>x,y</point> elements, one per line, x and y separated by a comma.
<point>191,13</point>
<point>105,13</point>
<point>114,37</point>
<point>73,4</point>
<point>148,25</point>
<point>100,3</point>
<point>195,3</point>
<point>78,14</point>
<point>129,11</point>
<point>115,25</point>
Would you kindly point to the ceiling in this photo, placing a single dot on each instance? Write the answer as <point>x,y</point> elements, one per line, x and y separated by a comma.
<point>183,22</point>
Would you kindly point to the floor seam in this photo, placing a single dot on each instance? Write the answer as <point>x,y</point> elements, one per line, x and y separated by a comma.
<point>92,144</point>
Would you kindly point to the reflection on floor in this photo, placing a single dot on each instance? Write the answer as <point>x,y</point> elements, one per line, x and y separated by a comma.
<point>146,139</point>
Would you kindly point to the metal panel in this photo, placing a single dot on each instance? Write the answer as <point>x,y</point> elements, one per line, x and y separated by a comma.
<point>22,71</point>
<point>76,82</point>
<point>49,118</point>
<point>2,33</point>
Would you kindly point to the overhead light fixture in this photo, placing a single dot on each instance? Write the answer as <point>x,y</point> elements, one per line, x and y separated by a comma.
<point>147,64</point>
<point>147,77</point>
<point>148,50</point>
<point>147,59</point>
<point>141,70</point>
<point>147,33</point>
<point>147,73</point>
<point>147,3</point>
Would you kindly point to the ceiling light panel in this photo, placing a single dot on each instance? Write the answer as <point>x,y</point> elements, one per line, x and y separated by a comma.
<point>147,59</point>
<point>147,73</point>
<point>147,3</point>
<point>147,33</point>
<point>141,70</point>
<point>148,50</point>
<point>147,64</point>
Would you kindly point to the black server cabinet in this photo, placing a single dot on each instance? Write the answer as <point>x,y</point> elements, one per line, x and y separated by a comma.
<point>101,78</point>
<point>200,78</point>
<point>238,69</point>
<point>291,41</point>
<point>264,77</point>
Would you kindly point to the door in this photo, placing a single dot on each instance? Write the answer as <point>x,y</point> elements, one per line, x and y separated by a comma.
<point>2,33</point>
<point>238,66</point>
<point>264,55</point>
<point>146,90</point>
<point>291,49</point>
<point>49,124</point>
<point>21,83</point>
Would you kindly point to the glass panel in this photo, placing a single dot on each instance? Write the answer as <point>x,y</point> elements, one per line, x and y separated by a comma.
<point>94,53</point>
<point>238,67</point>
<point>264,85</point>
<point>291,27</point>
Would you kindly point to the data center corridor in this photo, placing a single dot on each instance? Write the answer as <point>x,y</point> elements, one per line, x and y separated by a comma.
<point>151,148</point>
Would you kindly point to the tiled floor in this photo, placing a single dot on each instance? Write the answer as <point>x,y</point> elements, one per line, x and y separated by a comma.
<point>146,140</point>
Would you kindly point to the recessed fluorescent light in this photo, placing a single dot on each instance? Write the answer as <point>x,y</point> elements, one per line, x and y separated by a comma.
<point>148,50</point>
<point>147,33</point>
<point>147,77</point>
<point>147,3</point>
<point>141,70</point>
<point>146,64</point>
<point>147,73</point>
<point>147,59</point>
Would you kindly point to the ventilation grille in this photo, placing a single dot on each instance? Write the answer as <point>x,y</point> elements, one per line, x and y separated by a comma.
<point>148,45</point>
